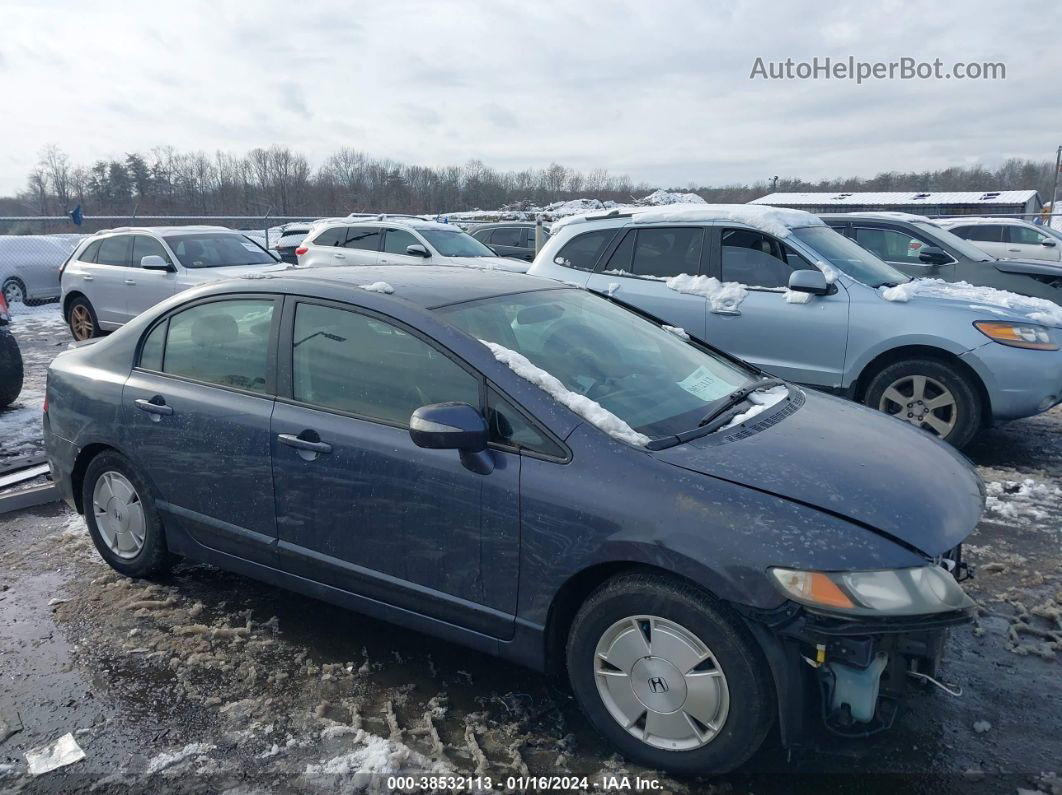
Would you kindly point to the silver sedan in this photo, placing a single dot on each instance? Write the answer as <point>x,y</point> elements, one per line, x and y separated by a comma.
<point>29,266</point>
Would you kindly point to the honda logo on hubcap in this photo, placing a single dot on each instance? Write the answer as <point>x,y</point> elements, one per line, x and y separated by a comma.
<point>658,685</point>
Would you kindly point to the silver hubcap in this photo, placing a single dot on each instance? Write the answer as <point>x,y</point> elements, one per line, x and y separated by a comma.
<point>13,293</point>
<point>661,683</point>
<point>119,514</point>
<point>922,401</point>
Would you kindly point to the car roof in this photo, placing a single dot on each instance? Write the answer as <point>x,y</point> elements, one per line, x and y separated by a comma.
<point>876,215</point>
<point>412,222</point>
<point>165,230</point>
<point>427,286</point>
<point>492,224</point>
<point>975,220</point>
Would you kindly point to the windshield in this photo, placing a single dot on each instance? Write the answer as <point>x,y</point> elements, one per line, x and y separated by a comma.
<point>456,243</point>
<point>850,257</point>
<point>652,379</point>
<point>964,247</point>
<point>213,250</point>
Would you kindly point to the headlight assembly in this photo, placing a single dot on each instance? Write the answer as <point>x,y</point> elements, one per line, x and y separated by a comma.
<point>1017,335</point>
<point>893,592</point>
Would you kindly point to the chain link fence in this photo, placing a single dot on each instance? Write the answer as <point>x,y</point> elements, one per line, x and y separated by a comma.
<point>33,248</point>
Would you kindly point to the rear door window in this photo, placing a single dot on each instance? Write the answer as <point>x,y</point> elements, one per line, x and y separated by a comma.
<point>890,245</point>
<point>331,237</point>
<point>507,236</point>
<point>988,233</point>
<point>583,252</point>
<point>364,238</point>
<point>666,252</point>
<point>115,250</point>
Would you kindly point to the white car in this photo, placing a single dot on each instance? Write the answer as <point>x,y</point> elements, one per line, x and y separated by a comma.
<point>116,274</point>
<point>390,240</point>
<point>1007,238</point>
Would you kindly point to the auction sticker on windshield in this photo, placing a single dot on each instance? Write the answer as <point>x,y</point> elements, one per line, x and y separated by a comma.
<point>705,384</point>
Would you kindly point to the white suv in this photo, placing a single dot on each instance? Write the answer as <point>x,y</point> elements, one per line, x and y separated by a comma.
<point>397,241</point>
<point>1007,238</point>
<point>116,274</point>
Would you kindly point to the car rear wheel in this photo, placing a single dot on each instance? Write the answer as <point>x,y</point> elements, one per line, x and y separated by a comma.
<point>122,519</point>
<point>668,676</point>
<point>11,372</point>
<point>14,292</point>
<point>930,394</point>
<point>81,318</point>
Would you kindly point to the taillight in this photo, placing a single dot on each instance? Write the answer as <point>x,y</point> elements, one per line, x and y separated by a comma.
<point>45,402</point>
<point>301,250</point>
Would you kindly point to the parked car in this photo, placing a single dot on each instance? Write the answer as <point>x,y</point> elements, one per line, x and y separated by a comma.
<point>509,238</point>
<point>468,424</point>
<point>919,248</point>
<point>291,237</point>
<point>780,289</point>
<point>1007,238</point>
<point>29,267</point>
<point>10,359</point>
<point>116,274</point>
<point>396,241</point>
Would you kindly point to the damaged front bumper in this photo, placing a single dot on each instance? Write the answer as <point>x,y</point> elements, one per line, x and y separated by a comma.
<point>841,675</point>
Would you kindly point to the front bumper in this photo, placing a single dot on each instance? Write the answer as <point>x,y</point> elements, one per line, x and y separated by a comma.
<point>1020,383</point>
<point>841,676</point>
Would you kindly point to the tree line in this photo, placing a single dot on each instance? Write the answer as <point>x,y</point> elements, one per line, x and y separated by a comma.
<point>279,181</point>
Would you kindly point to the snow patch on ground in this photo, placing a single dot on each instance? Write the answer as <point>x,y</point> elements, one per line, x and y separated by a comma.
<point>761,401</point>
<point>21,429</point>
<point>1037,309</point>
<point>586,408</point>
<point>376,756</point>
<point>722,296</point>
<point>1024,501</point>
<point>661,198</point>
<point>170,758</point>
<point>378,287</point>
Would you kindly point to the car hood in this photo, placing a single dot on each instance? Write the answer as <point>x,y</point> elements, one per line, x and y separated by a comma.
<point>1035,267</point>
<point>487,263</point>
<point>852,462</point>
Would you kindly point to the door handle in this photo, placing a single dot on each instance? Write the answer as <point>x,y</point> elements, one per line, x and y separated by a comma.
<point>159,408</point>
<point>1016,250</point>
<point>341,256</point>
<point>130,281</point>
<point>86,277</point>
<point>291,440</point>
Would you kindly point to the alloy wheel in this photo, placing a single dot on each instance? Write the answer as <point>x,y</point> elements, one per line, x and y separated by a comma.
<point>921,401</point>
<point>661,683</point>
<point>119,514</point>
<point>14,294</point>
<point>81,322</point>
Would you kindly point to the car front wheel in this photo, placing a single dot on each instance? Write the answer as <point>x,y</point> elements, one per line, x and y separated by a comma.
<point>668,676</point>
<point>121,517</point>
<point>933,395</point>
<point>11,372</point>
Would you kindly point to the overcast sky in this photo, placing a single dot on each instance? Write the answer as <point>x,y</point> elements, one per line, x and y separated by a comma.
<point>658,90</point>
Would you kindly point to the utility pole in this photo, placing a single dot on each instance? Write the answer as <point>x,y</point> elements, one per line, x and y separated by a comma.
<point>1054,188</point>
<point>774,180</point>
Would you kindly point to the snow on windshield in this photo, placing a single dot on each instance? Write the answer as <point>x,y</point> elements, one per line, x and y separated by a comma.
<point>1038,309</point>
<point>722,296</point>
<point>761,401</point>
<point>586,408</point>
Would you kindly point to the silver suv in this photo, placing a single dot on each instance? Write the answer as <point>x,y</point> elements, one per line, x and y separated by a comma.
<point>391,240</point>
<point>116,274</point>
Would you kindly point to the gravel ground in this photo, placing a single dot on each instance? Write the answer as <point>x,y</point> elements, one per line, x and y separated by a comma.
<point>211,682</point>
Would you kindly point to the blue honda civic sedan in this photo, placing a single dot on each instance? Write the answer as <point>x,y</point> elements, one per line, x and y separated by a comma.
<point>539,473</point>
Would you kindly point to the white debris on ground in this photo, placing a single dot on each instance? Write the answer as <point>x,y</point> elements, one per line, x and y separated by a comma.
<point>982,726</point>
<point>722,296</point>
<point>64,751</point>
<point>1037,309</point>
<point>377,756</point>
<point>1025,500</point>
<point>677,331</point>
<point>170,758</point>
<point>761,401</point>
<point>586,408</point>
<point>378,287</point>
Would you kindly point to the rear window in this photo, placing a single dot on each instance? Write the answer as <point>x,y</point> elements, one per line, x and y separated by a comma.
<point>583,252</point>
<point>216,250</point>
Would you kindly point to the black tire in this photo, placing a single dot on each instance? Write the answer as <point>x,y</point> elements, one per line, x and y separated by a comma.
<point>153,559</point>
<point>82,327</point>
<point>752,703</point>
<point>968,406</point>
<point>17,283</point>
<point>11,372</point>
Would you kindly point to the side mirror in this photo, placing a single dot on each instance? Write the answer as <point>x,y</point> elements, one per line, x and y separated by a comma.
<point>448,426</point>
<point>933,255</point>
<point>809,281</point>
<point>417,250</point>
<point>153,262</point>
<point>1050,242</point>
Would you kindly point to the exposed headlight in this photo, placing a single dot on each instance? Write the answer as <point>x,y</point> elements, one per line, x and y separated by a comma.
<point>1017,335</point>
<point>896,592</point>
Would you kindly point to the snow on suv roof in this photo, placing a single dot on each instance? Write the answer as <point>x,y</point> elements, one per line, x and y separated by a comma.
<point>885,215</point>
<point>978,219</point>
<point>165,230</point>
<point>775,221</point>
<point>413,222</point>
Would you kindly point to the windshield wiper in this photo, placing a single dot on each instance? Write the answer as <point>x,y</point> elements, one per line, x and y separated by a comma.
<point>734,398</point>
